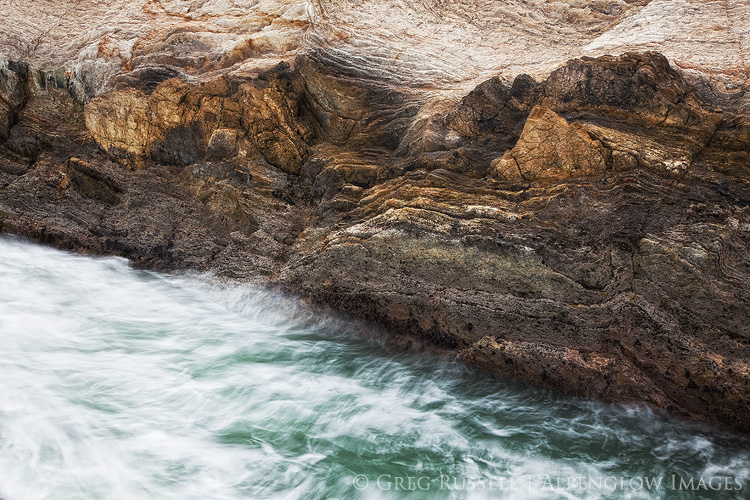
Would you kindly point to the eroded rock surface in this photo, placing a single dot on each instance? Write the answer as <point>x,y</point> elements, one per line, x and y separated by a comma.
<point>551,148</point>
<point>453,171</point>
<point>181,123</point>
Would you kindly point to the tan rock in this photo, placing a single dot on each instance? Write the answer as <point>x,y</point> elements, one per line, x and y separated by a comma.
<point>180,123</point>
<point>551,148</point>
<point>120,122</point>
<point>97,41</point>
<point>450,45</point>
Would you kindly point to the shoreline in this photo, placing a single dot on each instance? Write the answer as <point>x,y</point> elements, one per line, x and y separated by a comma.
<point>587,233</point>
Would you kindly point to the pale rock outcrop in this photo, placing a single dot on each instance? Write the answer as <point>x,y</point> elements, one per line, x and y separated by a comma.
<point>97,42</point>
<point>445,47</point>
<point>706,36</point>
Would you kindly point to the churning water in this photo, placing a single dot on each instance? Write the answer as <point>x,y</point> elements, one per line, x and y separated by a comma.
<point>122,384</point>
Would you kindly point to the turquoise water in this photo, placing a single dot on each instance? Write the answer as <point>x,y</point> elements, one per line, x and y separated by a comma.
<point>122,384</point>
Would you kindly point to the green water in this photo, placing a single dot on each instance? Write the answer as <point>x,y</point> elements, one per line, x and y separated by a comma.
<point>121,384</point>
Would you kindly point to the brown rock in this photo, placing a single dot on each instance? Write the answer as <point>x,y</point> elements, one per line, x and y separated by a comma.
<point>120,122</point>
<point>274,123</point>
<point>13,93</point>
<point>551,149</point>
<point>92,183</point>
<point>180,123</point>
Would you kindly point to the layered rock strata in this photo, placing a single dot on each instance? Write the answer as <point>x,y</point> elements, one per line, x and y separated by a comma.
<point>584,228</point>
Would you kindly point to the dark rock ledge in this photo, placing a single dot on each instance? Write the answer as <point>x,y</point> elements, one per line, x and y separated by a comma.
<point>589,233</point>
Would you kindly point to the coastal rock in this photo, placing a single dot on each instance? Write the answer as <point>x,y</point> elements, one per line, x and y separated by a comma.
<point>91,183</point>
<point>179,122</point>
<point>550,149</point>
<point>567,214</point>
<point>13,93</point>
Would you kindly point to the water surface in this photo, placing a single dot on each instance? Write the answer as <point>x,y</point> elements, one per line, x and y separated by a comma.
<point>123,384</point>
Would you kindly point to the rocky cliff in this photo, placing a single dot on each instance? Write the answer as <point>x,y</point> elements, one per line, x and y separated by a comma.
<point>528,184</point>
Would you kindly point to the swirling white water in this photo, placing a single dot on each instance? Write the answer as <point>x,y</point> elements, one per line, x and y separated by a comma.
<point>123,384</point>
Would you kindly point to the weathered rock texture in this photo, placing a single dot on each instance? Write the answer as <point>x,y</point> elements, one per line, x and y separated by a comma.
<point>551,148</point>
<point>459,172</point>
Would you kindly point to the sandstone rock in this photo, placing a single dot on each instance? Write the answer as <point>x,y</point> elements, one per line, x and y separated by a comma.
<point>120,123</point>
<point>532,361</point>
<point>100,41</point>
<point>711,37</point>
<point>551,149</point>
<point>222,144</point>
<point>179,122</point>
<point>485,109</point>
<point>423,42</point>
<point>337,104</point>
<point>274,122</point>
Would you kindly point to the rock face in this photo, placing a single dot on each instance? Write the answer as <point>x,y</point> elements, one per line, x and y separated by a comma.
<point>13,94</point>
<point>576,222</point>
<point>551,149</point>
<point>182,124</point>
